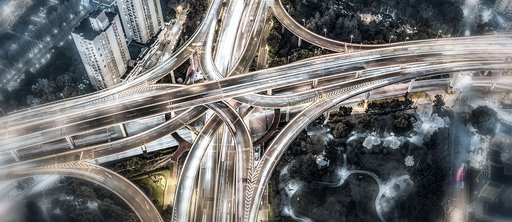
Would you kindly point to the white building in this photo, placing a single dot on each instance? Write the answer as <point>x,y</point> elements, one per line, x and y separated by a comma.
<point>504,6</point>
<point>102,46</point>
<point>142,19</point>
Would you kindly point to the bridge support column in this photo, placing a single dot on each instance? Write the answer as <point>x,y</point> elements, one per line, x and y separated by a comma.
<point>314,83</point>
<point>71,143</point>
<point>358,74</point>
<point>193,63</point>
<point>410,85</point>
<point>366,97</point>
<point>15,155</point>
<point>269,92</point>
<point>173,78</point>
<point>123,130</point>
<point>300,41</point>
<point>453,80</point>
<point>287,118</point>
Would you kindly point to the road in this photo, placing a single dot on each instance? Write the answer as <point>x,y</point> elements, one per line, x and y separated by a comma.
<point>120,186</point>
<point>313,86</point>
<point>172,99</point>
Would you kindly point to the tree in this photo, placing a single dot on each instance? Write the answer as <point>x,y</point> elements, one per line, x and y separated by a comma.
<point>320,120</point>
<point>23,184</point>
<point>167,213</point>
<point>402,122</point>
<point>131,167</point>
<point>344,111</point>
<point>333,150</point>
<point>484,119</point>
<point>305,168</point>
<point>34,213</point>
<point>342,129</point>
<point>438,101</point>
<point>109,210</point>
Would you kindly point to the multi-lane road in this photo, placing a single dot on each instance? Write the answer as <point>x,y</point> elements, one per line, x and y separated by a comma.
<point>314,85</point>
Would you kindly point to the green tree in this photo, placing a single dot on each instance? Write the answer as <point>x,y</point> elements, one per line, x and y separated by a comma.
<point>333,150</point>
<point>342,129</point>
<point>402,122</point>
<point>484,119</point>
<point>438,102</point>
<point>344,111</point>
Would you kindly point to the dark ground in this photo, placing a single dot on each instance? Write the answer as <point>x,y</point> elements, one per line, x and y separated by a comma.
<point>353,201</point>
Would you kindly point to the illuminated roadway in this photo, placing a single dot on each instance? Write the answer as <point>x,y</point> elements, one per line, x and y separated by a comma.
<point>319,83</point>
<point>171,98</point>
<point>120,186</point>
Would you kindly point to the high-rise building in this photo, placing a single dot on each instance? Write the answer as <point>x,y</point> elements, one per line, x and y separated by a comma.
<point>102,46</point>
<point>504,6</point>
<point>141,19</point>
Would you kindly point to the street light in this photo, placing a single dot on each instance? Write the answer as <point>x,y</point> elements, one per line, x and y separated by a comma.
<point>304,22</point>
<point>351,37</point>
<point>406,38</point>
<point>390,37</point>
<point>325,32</point>
<point>438,33</point>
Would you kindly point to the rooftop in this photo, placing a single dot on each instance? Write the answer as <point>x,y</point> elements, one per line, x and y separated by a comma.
<point>86,30</point>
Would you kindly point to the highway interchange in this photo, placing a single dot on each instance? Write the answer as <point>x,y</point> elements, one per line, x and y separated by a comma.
<point>313,85</point>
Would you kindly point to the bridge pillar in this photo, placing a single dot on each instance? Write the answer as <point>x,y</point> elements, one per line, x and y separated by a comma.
<point>366,97</point>
<point>314,83</point>
<point>193,62</point>
<point>300,41</point>
<point>410,85</point>
<point>453,79</point>
<point>173,78</point>
<point>15,155</point>
<point>358,74</point>
<point>269,92</point>
<point>71,143</point>
<point>123,130</point>
<point>287,118</point>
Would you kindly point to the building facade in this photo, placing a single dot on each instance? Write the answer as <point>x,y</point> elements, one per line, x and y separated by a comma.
<point>504,6</point>
<point>142,19</point>
<point>103,49</point>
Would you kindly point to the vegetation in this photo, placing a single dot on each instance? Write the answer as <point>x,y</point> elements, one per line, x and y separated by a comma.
<point>438,102</point>
<point>86,202</point>
<point>305,168</point>
<point>484,119</point>
<point>284,49</point>
<point>402,122</point>
<point>389,106</point>
<point>377,141</point>
<point>344,111</point>
<point>154,186</point>
<point>63,76</point>
<point>131,167</point>
<point>196,13</point>
<point>342,129</point>
<point>379,21</point>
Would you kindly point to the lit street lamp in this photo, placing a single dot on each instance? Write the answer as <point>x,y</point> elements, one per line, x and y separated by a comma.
<point>351,37</point>
<point>438,33</point>
<point>325,32</point>
<point>390,37</point>
<point>406,38</point>
<point>304,22</point>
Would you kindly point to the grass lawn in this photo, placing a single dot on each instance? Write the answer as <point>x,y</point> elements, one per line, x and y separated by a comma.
<point>158,182</point>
